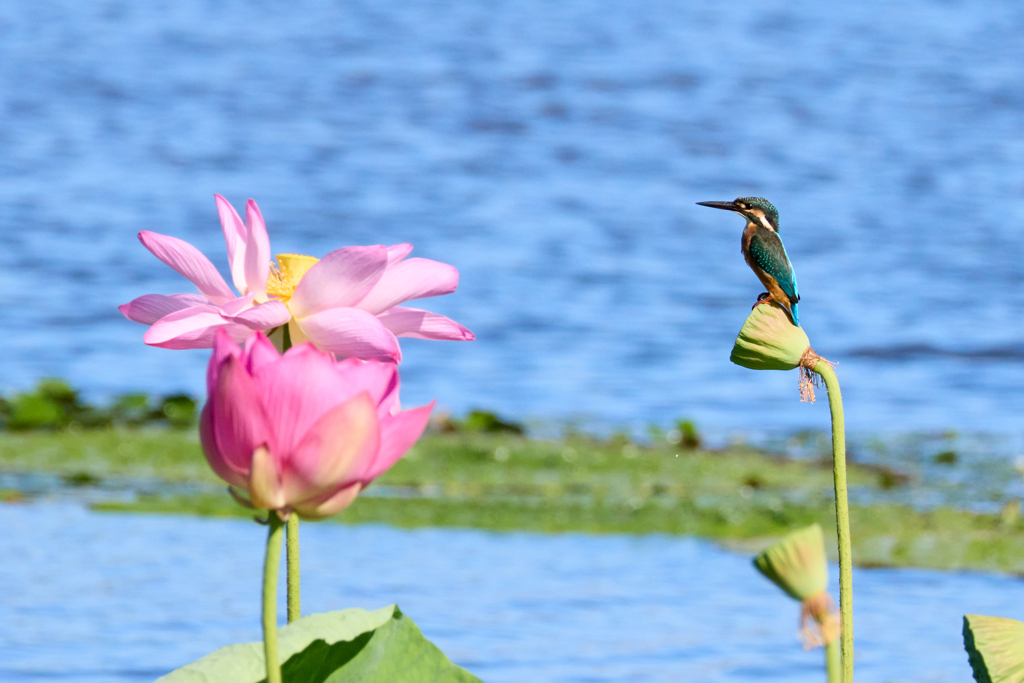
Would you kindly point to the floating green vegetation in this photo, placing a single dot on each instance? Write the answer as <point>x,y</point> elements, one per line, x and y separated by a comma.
<point>54,405</point>
<point>503,481</point>
<point>77,455</point>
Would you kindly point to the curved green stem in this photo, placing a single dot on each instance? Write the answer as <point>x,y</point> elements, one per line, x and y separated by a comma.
<point>270,570</point>
<point>835,403</point>
<point>294,603</point>
<point>833,663</point>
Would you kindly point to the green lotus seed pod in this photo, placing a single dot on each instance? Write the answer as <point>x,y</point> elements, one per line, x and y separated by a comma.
<point>769,340</point>
<point>995,648</point>
<point>797,563</point>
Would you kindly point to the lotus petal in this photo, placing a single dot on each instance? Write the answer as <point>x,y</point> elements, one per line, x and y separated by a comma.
<point>413,322</point>
<point>351,332</point>
<point>190,262</point>
<point>413,278</point>
<point>342,278</point>
<point>149,308</point>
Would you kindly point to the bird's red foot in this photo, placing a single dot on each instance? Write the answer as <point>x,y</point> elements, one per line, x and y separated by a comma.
<point>762,298</point>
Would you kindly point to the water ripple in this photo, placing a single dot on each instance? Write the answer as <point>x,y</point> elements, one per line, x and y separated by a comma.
<point>554,156</point>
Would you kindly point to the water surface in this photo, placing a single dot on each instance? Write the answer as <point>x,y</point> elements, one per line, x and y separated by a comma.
<point>112,598</point>
<point>553,153</point>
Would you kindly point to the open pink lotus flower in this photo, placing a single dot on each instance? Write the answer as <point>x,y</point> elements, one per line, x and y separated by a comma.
<point>300,431</point>
<point>345,303</point>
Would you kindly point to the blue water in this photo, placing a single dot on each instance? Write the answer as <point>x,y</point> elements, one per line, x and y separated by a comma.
<point>553,152</point>
<point>126,598</point>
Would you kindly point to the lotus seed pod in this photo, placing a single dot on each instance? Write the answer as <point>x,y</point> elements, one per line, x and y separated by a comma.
<point>769,340</point>
<point>995,648</point>
<point>797,563</point>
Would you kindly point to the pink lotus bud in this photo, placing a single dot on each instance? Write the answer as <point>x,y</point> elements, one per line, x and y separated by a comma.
<point>301,431</point>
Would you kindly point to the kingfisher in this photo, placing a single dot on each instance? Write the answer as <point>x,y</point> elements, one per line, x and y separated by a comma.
<point>763,251</point>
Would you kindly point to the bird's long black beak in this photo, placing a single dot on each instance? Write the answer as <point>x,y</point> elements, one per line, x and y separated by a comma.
<point>728,206</point>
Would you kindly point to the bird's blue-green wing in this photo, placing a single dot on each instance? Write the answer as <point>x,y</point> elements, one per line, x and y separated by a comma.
<point>768,253</point>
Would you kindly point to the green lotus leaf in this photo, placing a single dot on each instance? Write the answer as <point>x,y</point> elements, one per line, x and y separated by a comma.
<point>995,648</point>
<point>382,646</point>
<point>769,340</point>
<point>797,563</point>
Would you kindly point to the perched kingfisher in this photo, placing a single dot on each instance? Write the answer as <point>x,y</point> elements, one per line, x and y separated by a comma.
<point>763,251</point>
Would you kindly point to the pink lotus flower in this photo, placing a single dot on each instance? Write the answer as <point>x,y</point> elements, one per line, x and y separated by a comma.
<point>345,303</point>
<point>301,431</point>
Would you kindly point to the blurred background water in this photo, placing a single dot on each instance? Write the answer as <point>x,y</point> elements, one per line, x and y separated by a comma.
<point>553,153</point>
<point>149,594</point>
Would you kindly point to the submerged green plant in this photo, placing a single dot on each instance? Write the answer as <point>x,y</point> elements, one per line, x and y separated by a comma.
<point>769,340</point>
<point>797,564</point>
<point>995,648</point>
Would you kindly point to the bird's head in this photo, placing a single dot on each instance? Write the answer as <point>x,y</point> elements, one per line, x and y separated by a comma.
<point>756,210</point>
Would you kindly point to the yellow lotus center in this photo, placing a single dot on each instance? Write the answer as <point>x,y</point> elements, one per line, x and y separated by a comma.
<point>286,275</point>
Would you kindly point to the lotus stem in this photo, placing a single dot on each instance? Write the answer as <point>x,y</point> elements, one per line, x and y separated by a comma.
<point>270,570</point>
<point>833,662</point>
<point>293,581</point>
<point>292,544</point>
<point>835,403</point>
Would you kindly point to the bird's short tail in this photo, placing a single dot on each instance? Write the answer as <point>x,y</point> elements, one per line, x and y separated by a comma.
<point>795,315</point>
